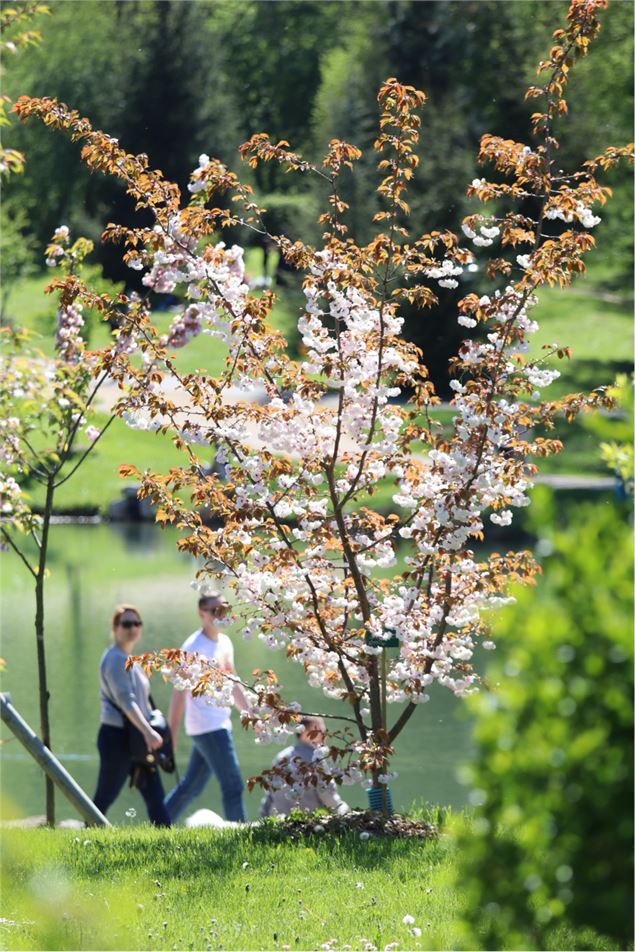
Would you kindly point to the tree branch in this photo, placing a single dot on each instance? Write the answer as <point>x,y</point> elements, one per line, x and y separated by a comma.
<point>86,453</point>
<point>15,548</point>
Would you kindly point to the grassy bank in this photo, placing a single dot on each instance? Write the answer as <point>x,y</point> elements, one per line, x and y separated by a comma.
<point>251,889</point>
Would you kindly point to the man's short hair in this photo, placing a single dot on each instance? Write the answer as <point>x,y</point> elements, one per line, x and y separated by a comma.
<point>313,724</point>
<point>212,603</point>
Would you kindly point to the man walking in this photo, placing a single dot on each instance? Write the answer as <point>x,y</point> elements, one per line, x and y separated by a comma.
<point>209,726</point>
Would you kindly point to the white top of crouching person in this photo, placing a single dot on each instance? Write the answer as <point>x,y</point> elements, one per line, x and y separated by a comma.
<point>298,797</point>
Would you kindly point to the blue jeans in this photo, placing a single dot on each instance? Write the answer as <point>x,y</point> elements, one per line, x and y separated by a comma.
<point>114,768</point>
<point>212,753</point>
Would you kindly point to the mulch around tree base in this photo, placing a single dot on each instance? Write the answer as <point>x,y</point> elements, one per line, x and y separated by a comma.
<point>363,822</point>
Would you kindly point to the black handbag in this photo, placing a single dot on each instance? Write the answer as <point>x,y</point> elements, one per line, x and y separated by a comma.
<point>164,756</point>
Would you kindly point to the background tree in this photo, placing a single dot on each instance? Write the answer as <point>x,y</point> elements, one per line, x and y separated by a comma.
<point>165,94</point>
<point>45,437</point>
<point>210,75</point>
<point>459,53</point>
<point>18,251</point>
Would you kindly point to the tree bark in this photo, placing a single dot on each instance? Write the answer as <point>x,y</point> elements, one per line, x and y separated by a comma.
<point>44,696</point>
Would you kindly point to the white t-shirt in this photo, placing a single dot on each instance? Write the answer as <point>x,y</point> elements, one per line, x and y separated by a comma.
<point>201,717</point>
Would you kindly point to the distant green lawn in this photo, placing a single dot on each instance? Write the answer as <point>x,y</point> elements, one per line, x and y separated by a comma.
<point>599,332</point>
<point>595,329</point>
<point>97,482</point>
<point>145,888</point>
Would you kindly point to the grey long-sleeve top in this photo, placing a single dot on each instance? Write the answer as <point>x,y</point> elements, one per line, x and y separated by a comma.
<point>121,687</point>
<point>280,802</point>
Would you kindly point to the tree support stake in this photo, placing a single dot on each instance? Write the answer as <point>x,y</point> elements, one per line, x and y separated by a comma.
<point>50,764</point>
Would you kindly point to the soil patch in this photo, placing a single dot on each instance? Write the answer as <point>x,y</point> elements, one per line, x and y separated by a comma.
<point>365,823</point>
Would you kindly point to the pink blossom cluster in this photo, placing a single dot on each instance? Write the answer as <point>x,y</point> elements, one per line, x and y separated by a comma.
<point>10,440</point>
<point>212,278</point>
<point>14,509</point>
<point>57,249</point>
<point>68,336</point>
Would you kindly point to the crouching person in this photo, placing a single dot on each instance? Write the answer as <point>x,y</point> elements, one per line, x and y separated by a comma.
<point>304,751</point>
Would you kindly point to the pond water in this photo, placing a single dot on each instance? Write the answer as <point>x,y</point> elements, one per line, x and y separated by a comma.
<point>94,567</point>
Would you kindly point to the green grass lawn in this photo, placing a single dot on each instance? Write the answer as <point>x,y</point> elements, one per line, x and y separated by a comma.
<point>596,329</point>
<point>201,889</point>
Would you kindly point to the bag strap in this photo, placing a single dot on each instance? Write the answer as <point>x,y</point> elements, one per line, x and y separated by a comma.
<point>151,703</point>
<point>110,696</point>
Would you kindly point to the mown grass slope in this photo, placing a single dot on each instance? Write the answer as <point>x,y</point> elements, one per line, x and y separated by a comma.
<point>246,889</point>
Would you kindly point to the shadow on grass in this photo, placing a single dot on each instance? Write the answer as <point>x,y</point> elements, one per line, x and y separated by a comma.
<point>184,853</point>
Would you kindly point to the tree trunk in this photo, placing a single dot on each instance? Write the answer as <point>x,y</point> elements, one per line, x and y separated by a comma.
<point>377,695</point>
<point>384,724</point>
<point>45,728</point>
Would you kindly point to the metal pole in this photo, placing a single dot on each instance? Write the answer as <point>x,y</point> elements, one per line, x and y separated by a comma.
<point>50,764</point>
<point>384,791</point>
<point>384,673</point>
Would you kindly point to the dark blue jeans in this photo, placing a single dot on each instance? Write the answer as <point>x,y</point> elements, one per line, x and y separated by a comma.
<point>212,753</point>
<point>114,769</point>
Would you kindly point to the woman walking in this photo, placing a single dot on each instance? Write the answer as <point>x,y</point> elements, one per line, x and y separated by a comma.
<point>125,697</point>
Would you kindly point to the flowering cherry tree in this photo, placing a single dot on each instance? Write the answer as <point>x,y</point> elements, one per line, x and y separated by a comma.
<point>46,434</point>
<point>300,545</point>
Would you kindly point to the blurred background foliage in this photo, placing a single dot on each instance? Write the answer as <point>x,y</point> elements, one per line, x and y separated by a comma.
<point>548,845</point>
<point>176,79</point>
<point>552,779</point>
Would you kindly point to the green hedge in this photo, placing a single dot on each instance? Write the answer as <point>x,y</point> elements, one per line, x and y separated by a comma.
<point>553,776</point>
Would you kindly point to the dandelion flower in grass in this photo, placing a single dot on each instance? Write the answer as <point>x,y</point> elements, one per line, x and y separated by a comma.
<point>408,920</point>
<point>359,885</point>
<point>364,835</point>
